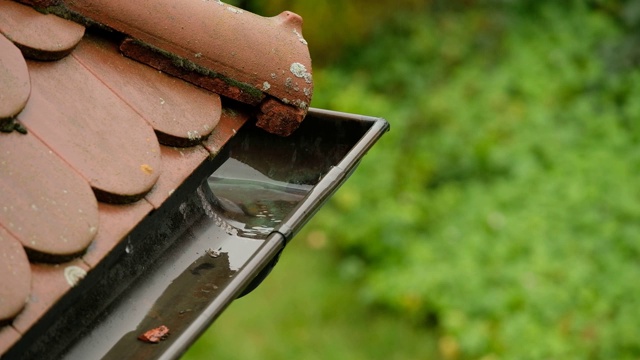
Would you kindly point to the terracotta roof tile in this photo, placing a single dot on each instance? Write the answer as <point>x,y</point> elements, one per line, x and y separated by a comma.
<point>8,337</point>
<point>49,283</point>
<point>268,47</point>
<point>94,142</point>
<point>39,37</point>
<point>46,205</point>
<point>15,283</point>
<point>91,132</point>
<point>250,58</point>
<point>116,221</point>
<point>180,113</point>
<point>179,164</point>
<point>233,119</point>
<point>14,80</point>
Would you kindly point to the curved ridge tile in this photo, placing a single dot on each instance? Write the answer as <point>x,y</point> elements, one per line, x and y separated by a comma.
<point>15,282</point>
<point>255,55</point>
<point>235,43</point>
<point>98,134</point>
<point>14,80</point>
<point>44,203</point>
<point>180,113</point>
<point>39,36</point>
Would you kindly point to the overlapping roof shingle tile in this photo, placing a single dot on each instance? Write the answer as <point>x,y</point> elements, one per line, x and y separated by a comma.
<point>168,104</point>
<point>93,141</point>
<point>45,203</point>
<point>15,79</point>
<point>39,37</point>
<point>17,276</point>
<point>88,143</point>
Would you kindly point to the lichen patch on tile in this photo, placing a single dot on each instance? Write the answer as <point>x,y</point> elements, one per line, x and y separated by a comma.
<point>171,106</point>
<point>73,274</point>
<point>299,70</point>
<point>302,40</point>
<point>235,10</point>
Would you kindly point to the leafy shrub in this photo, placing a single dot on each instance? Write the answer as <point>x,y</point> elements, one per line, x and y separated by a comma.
<point>502,209</point>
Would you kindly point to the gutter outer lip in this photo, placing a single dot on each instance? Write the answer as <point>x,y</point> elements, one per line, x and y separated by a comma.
<point>336,176</point>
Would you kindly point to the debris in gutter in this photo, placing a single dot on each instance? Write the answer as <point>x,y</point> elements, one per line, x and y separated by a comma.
<point>213,253</point>
<point>154,336</point>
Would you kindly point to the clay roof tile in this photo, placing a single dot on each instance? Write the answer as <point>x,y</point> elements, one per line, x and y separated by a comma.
<point>93,142</point>
<point>15,283</point>
<point>45,204</point>
<point>14,80</point>
<point>39,37</point>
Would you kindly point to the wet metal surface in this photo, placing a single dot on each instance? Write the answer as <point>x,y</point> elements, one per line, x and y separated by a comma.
<point>253,204</point>
<point>172,292</point>
<point>178,305</point>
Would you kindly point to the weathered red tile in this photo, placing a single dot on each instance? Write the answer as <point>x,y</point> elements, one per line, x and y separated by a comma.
<point>116,221</point>
<point>238,44</point>
<point>181,113</point>
<point>105,140</point>
<point>252,53</point>
<point>231,121</point>
<point>39,36</point>
<point>187,71</point>
<point>14,80</point>
<point>15,282</point>
<point>44,203</point>
<point>8,337</point>
<point>49,284</point>
<point>179,164</point>
<point>278,118</point>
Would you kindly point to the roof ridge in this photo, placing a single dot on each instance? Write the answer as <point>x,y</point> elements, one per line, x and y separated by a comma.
<point>250,53</point>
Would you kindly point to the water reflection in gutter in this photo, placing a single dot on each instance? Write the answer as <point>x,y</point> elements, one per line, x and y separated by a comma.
<point>178,306</point>
<point>251,202</point>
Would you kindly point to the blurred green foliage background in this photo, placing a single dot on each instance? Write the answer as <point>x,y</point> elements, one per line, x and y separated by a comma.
<point>499,219</point>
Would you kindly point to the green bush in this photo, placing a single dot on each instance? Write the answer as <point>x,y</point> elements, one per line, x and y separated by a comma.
<point>502,209</point>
